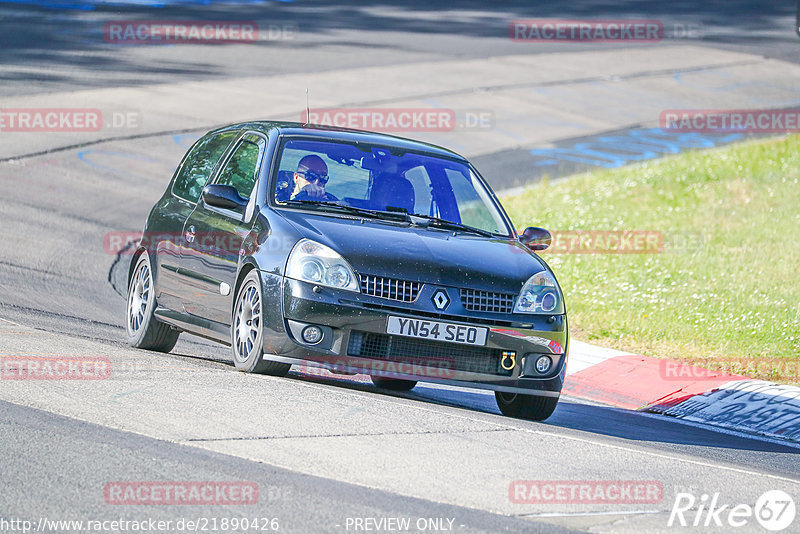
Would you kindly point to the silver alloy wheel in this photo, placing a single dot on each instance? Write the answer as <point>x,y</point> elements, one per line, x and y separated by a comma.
<point>247,325</point>
<point>138,297</point>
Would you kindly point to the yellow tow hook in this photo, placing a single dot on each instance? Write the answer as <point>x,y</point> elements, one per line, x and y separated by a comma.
<point>508,357</point>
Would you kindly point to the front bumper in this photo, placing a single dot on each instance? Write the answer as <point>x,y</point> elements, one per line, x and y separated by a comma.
<point>355,341</point>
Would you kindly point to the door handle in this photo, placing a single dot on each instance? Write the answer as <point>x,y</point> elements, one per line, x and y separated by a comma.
<point>190,234</point>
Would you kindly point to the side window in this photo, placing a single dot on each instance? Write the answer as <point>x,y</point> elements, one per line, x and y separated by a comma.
<point>471,207</point>
<point>198,165</point>
<point>241,169</point>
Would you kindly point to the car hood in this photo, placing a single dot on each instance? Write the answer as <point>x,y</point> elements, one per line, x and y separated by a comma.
<point>421,254</point>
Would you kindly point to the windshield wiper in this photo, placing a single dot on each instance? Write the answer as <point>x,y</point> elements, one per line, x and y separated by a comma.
<point>344,208</point>
<point>450,225</point>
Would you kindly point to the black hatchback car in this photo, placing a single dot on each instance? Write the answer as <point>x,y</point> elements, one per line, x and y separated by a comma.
<point>353,251</point>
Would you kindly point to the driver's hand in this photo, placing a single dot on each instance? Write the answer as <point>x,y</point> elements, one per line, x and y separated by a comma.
<point>314,190</point>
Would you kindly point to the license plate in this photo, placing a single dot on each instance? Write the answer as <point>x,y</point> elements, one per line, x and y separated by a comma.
<point>436,330</point>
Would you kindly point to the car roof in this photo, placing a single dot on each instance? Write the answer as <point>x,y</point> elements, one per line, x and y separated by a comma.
<point>333,132</point>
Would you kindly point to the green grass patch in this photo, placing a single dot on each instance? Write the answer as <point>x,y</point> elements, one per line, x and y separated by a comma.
<point>725,291</point>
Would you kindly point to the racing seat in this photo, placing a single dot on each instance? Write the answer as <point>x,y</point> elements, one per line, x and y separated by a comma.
<point>391,190</point>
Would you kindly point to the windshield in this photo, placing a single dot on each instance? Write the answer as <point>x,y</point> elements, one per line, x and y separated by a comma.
<point>385,179</point>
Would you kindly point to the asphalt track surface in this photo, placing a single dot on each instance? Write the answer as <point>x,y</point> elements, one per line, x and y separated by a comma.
<point>322,450</point>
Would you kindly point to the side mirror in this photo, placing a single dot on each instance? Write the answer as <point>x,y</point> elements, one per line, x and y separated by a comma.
<point>223,196</point>
<point>535,238</point>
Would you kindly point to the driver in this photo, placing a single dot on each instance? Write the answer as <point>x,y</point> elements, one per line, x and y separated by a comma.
<point>310,179</point>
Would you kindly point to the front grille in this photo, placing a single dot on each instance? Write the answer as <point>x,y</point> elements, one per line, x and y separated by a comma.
<point>487,301</point>
<point>450,356</point>
<point>389,288</point>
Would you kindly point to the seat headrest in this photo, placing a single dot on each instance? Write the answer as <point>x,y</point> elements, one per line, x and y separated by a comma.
<point>393,190</point>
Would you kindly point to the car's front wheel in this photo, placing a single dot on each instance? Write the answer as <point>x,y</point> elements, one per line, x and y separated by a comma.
<point>143,329</point>
<point>394,384</point>
<point>533,407</point>
<point>247,331</point>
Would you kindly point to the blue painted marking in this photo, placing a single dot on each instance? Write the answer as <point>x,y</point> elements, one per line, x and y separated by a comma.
<point>544,162</point>
<point>580,154</point>
<point>625,144</point>
<point>185,140</point>
<point>85,156</point>
<point>635,145</point>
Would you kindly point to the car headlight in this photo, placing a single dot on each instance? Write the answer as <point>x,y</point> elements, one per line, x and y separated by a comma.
<point>540,294</point>
<point>314,262</point>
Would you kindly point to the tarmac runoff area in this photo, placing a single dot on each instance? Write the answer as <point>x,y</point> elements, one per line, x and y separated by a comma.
<point>302,424</point>
<point>518,117</point>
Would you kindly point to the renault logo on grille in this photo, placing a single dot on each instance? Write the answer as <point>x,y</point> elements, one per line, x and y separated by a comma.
<point>440,299</point>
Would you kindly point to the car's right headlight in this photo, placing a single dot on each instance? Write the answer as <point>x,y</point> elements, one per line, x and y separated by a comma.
<point>313,262</point>
<point>540,294</point>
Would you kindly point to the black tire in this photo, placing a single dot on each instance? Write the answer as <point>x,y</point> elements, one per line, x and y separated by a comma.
<point>533,407</point>
<point>394,384</point>
<point>247,331</point>
<point>143,329</point>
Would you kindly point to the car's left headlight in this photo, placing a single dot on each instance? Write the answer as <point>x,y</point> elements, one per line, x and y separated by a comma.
<point>540,294</point>
<point>314,262</point>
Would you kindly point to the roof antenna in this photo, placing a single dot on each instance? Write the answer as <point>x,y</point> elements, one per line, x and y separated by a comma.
<point>308,111</point>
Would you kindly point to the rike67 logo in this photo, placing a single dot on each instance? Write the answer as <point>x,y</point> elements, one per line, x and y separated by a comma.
<point>774,510</point>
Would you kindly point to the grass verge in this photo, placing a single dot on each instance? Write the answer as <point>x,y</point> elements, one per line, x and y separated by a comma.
<point>723,293</point>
